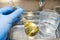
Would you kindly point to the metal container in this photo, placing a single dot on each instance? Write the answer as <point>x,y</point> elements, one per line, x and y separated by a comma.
<point>46,19</point>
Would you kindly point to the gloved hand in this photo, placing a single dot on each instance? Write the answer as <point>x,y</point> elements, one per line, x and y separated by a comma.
<point>7,16</point>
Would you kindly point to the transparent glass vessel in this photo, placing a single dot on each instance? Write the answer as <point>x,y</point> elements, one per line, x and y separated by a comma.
<point>31,24</point>
<point>48,23</point>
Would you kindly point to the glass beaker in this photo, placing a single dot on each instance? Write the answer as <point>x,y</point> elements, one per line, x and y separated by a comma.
<point>48,23</point>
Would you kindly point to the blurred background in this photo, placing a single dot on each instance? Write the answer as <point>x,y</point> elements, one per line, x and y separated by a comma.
<point>31,4</point>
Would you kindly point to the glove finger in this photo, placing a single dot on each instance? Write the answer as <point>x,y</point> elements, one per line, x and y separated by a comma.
<point>16,13</point>
<point>6,10</point>
<point>16,20</point>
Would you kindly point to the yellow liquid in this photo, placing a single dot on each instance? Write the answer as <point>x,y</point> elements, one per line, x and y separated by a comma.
<point>31,29</point>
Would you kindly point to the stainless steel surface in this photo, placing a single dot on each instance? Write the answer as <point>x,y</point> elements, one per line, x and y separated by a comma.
<point>19,34</point>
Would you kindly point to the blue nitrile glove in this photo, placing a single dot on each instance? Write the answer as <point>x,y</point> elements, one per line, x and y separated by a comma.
<point>7,16</point>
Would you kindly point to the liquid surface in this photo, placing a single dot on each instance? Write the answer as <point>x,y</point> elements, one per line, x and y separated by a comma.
<point>31,29</point>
